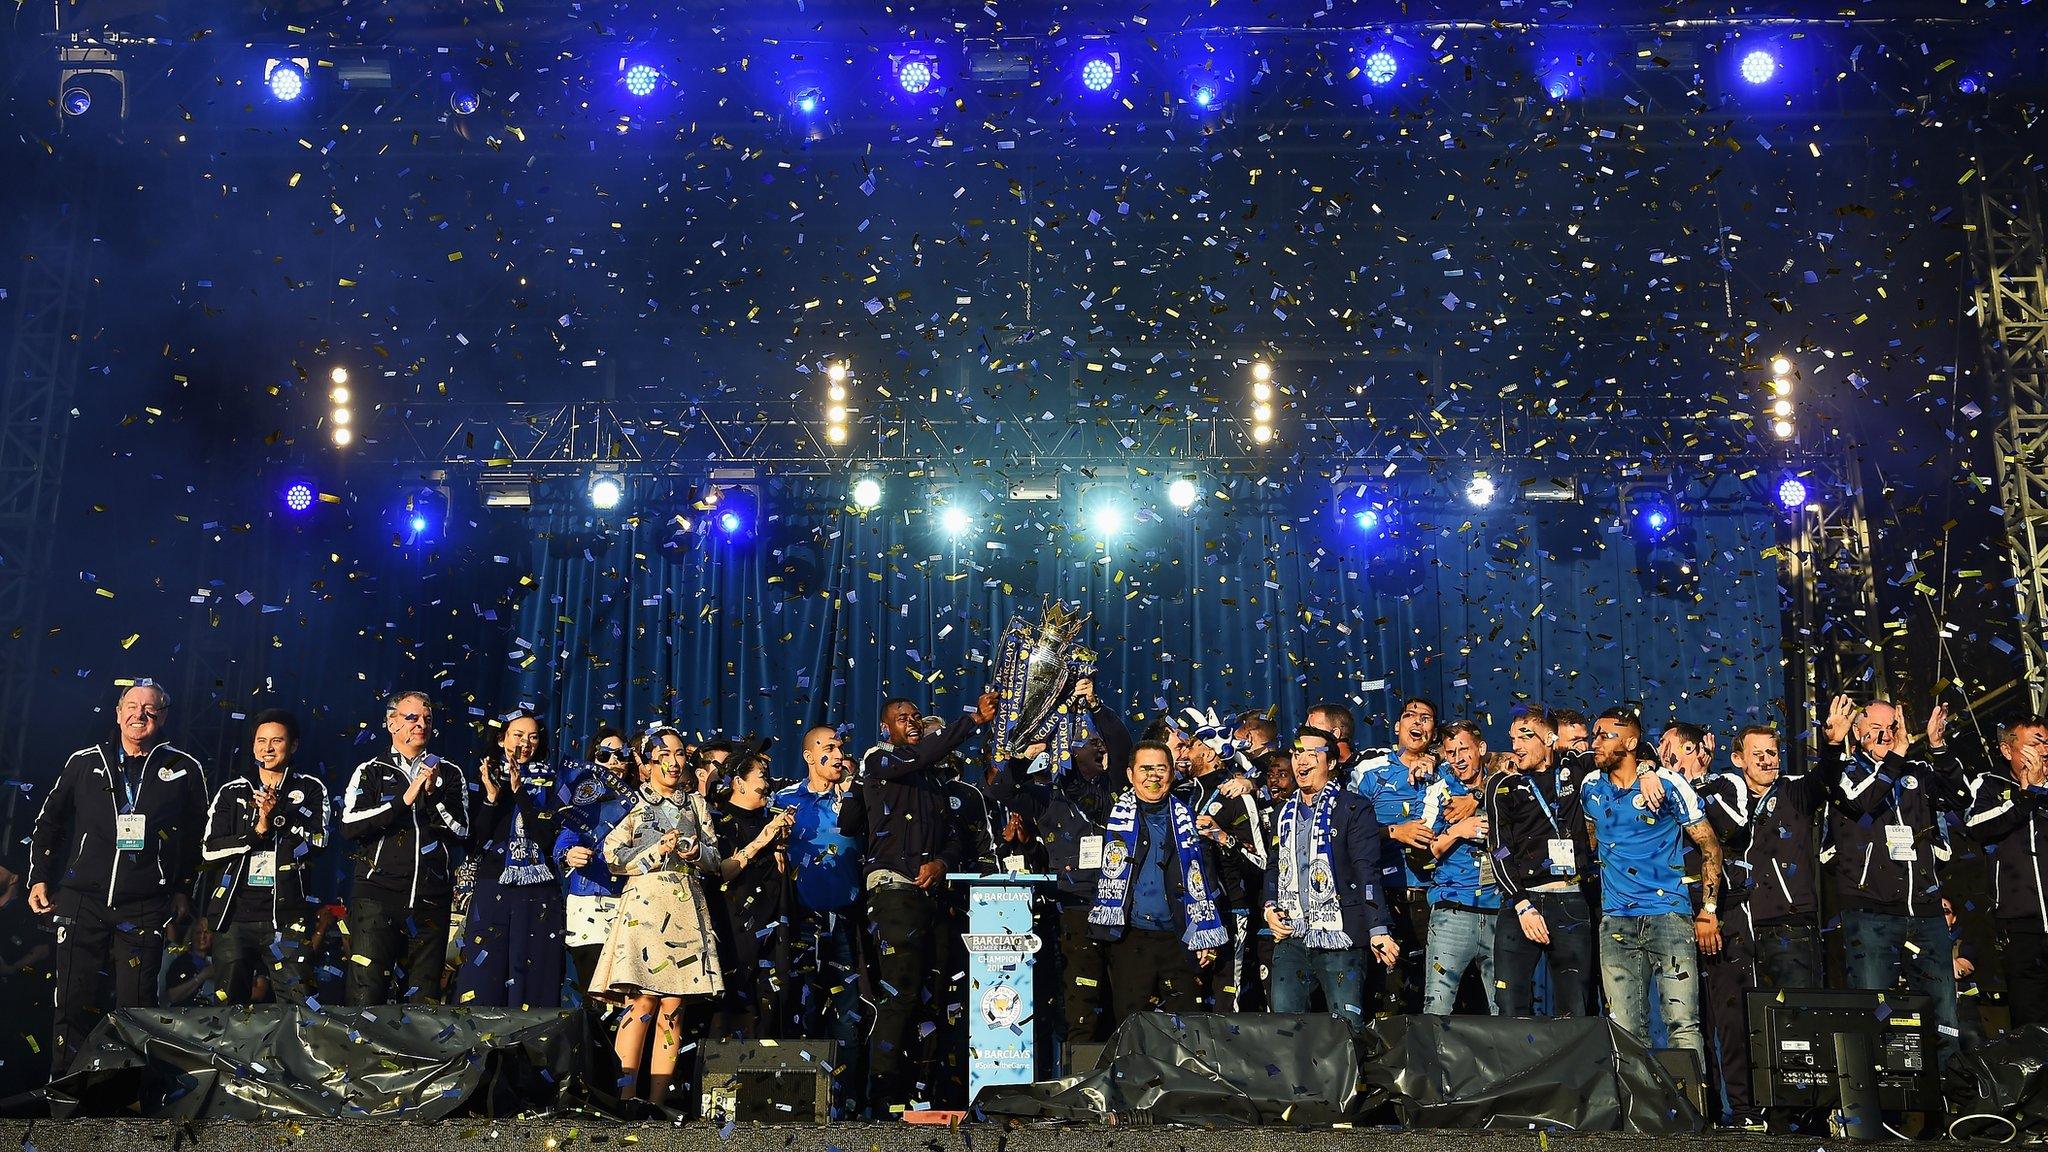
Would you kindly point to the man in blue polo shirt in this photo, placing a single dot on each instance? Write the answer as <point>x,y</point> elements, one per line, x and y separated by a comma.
<point>1648,931</point>
<point>1392,781</point>
<point>825,866</point>
<point>1464,902</point>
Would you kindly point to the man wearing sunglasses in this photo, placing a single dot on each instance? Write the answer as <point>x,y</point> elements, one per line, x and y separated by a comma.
<point>404,811</point>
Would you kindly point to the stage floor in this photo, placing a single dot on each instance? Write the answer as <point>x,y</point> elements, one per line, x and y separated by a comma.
<point>568,1135</point>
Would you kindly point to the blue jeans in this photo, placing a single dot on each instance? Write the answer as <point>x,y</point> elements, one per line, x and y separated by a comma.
<point>1337,970</point>
<point>1457,938</point>
<point>1641,952</point>
<point>1874,950</point>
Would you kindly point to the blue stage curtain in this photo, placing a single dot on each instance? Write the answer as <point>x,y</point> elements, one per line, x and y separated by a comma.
<point>828,613</point>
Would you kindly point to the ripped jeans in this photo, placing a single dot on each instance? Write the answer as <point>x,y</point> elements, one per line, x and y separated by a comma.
<point>1645,955</point>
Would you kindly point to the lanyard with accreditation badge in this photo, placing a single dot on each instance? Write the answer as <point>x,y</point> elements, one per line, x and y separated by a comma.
<point>131,828</point>
<point>1563,851</point>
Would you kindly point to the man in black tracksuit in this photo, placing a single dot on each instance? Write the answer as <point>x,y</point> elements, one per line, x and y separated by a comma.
<point>1886,840</point>
<point>2009,817</point>
<point>900,812</point>
<point>405,811</point>
<point>262,830</point>
<point>1067,817</point>
<point>1226,810</point>
<point>113,857</point>
<point>1536,834</point>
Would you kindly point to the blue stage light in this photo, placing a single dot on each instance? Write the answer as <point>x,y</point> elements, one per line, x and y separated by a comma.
<point>606,492</point>
<point>808,100</point>
<point>914,75</point>
<point>730,523</point>
<point>287,81</point>
<point>1791,492</point>
<point>1759,65</point>
<point>1202,94</point>
<point>1656,516</point>
<point>1970,84</point>
<point>1098,73</point>
<point>77,101</point>
<point>419,524</point>
<point>464,101</point>
<point>299,496</point>
<point>641,79</point>
<point>1366,520</point>
<point>1381,67</point>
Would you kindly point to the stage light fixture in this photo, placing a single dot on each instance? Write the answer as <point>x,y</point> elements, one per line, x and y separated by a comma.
<point>1183,493</point>
<point>1780,366</point>
<point>641,79</point>
<point>1759,65</point>
<point>343,437</point>
<point>1560,85</point>
<point>340,417</point>
<point>1782,429</point>
<point>1107,520</point>
<point>339,394</point>
<point>286,79</point>
<point>1479,490</point>
<point>1781,386</point>
<point>730,522</point>
<point>1381,67</point>
<point>299,496</point>
<point>1098,71</point>
<point>419,524</point>
<point>807,101</point>
<point>1970,84</point>
<point>1262,407</point>
<point>955,520</point>
<point>1366,520</point>
<point>1781,408</point>
<point>838,413</point>
<point>464,101</point>
<point>867,493</point>
<point>914,74</point>
<point>1654,512</point>
<point>606,492</point>
<point>77,100</point>
<point>1791,493</point>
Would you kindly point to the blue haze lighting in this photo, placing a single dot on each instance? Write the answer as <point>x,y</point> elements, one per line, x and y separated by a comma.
<point>914,76</point>
<point>1759,65</point>
<point>641,79</point>
<point>1381,67</point>
<point>1791,492</point>
<point>286,82</point>
<point>1098,73</point>
<point>298,496</point>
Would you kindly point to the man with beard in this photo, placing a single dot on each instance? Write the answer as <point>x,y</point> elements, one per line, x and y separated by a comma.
<point>112,859</point>
<point>901,814</point>
<point>1650,941</point>
<point>1887,840</point>
<point>1464,902</point>
<point>1154,902</point>
<point>1392,780</point>
<point>1536,836</point>
<point>1217,786</point>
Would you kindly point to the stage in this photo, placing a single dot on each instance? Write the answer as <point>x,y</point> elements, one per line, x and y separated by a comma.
<point>565,1134</point>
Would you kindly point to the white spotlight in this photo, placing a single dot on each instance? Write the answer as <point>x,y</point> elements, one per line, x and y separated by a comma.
<point>1182,493</point>
<point>1780,366</point>
<point>867,492</point>
<point>1479,490</point>
<point>1261,371</point>
<point>606,492</point>
<point>1107,520</point>
<point>835,372</point>
<point>955,520</point>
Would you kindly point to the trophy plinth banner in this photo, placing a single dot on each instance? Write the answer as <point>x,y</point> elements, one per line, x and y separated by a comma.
<point>1036,668</point>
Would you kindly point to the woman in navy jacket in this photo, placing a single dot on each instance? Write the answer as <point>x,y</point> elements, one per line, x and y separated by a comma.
<point>512,941</point>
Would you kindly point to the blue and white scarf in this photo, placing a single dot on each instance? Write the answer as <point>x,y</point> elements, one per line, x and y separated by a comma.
<point>1323,916</point>
<point>1120,859</point>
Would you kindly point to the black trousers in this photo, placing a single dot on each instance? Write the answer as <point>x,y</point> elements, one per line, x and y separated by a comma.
<point>1152,972</point>
<point>903,924</point>
<point>754,959</point>
<point>246,947</point>
<point>1787,956</point>
<point>2025,959</point>
<point>1727,978</point>
<point>1402,987</point>
<point>1570,952</point>
<point>101,949</point>
<point>385,933</point>
<point>1084,978</point>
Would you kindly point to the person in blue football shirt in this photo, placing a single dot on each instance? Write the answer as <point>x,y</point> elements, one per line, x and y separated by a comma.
<point>1392,781</point>
<point>1464,902</point>
<point>1649,933</point>
<point>824,915</point>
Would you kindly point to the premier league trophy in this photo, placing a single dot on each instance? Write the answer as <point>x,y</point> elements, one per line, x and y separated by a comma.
<point>1036,667</point>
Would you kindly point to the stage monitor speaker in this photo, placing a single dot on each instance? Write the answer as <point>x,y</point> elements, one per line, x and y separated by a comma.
<point>1683,1066</point>
<point>1793,1049</point>
<point>767,1081</point>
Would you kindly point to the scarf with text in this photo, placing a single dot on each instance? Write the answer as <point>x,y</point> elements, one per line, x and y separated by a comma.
<point>1318,916</point>
<point>1120,859</point>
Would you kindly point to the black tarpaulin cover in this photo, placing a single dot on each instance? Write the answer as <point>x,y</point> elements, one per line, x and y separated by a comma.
<point>1490,1072</point>
<point>2001,1087</point>
<point>1205,1069</point>
<point>275,1061</point>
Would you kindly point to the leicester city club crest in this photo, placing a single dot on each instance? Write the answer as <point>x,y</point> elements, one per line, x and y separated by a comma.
<point>1320,882</point>
<point>1114,859</point>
